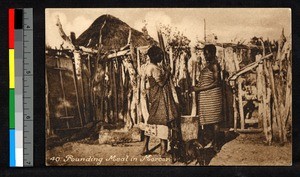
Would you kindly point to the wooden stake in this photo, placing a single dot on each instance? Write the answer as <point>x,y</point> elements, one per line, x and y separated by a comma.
<point>241,106</point>
<point>130,117</point>
<point>63,90</point>
<point>225,107</point>
<point>194,104</point>
<point>115,93</point>
<point>90,90</point>
<point>105,100</point>
<point>267,104</point>
<point>264,107</point>
<point>134,83</point>
<point>235,110</point>
<point>48,121</point>
<point>77,97</point>
<point>121,93</point>
<point>260,85</point>
<point>171,60</point>
<point>125,90</point>
<point>268,115</point>
<point>78,66</point>
<point>97,77</point>
<point>187,86</point>
<point>143,99</point>
<point>270,79</point>
<point>288,99</point>
<point>239,92</point>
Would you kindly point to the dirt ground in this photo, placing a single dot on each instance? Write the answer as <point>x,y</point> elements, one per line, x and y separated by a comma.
<point>241,150</point>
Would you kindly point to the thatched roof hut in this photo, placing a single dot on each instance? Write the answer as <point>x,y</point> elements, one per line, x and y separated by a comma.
<point>114,34</point>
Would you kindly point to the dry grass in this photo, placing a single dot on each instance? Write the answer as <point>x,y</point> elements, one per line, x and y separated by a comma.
<point>114,34</point>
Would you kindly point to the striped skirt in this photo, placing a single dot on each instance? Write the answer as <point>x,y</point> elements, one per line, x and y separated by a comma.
<point>210,106</point>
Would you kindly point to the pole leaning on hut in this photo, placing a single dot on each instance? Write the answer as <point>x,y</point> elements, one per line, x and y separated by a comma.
<point>72,47</point>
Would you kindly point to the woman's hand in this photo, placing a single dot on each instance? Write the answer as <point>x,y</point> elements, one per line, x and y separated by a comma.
<point>192,89</point>
<point>167,69</point>
<point>196,89</point>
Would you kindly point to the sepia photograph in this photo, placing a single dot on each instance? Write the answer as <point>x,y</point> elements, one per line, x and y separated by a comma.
<point>168,86</point>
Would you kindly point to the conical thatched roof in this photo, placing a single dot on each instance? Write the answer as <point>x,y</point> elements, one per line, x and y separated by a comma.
<point>114,34</point>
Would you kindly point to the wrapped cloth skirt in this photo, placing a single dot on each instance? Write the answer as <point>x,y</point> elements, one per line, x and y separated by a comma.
<point>210,106</point>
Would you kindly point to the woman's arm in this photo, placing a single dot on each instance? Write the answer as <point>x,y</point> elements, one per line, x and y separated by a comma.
<point>216,83</point>
<point>164,79</point>
<point>160,78</point>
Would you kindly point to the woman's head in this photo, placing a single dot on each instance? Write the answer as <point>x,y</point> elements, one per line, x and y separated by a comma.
<point>209,52</point>
<point>155,54</point>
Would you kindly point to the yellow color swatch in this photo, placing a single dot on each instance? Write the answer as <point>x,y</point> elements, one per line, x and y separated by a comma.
<point>11,68</point>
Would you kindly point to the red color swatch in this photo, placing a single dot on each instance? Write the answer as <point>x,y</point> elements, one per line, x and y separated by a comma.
<point>11,28</point>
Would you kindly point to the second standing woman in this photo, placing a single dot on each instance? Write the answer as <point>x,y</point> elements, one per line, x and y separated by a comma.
<point>210,94</point>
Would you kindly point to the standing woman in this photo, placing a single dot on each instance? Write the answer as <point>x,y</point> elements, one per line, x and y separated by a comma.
<point>162,107</point>
<point>210,94</point>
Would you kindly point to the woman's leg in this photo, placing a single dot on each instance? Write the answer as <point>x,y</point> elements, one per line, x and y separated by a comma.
<point>145,149</point>
<point>216,144</point>
<point>201,134</point>
<point>163,144</point>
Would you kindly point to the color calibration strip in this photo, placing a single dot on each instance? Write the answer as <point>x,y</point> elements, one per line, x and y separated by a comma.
<point>21,87</point>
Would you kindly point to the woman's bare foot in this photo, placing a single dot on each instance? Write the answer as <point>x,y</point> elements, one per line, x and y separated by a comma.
<point>164,155</point>
<point>145,151</point>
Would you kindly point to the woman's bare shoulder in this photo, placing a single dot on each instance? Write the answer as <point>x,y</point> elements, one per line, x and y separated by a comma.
<point>151,68</point>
